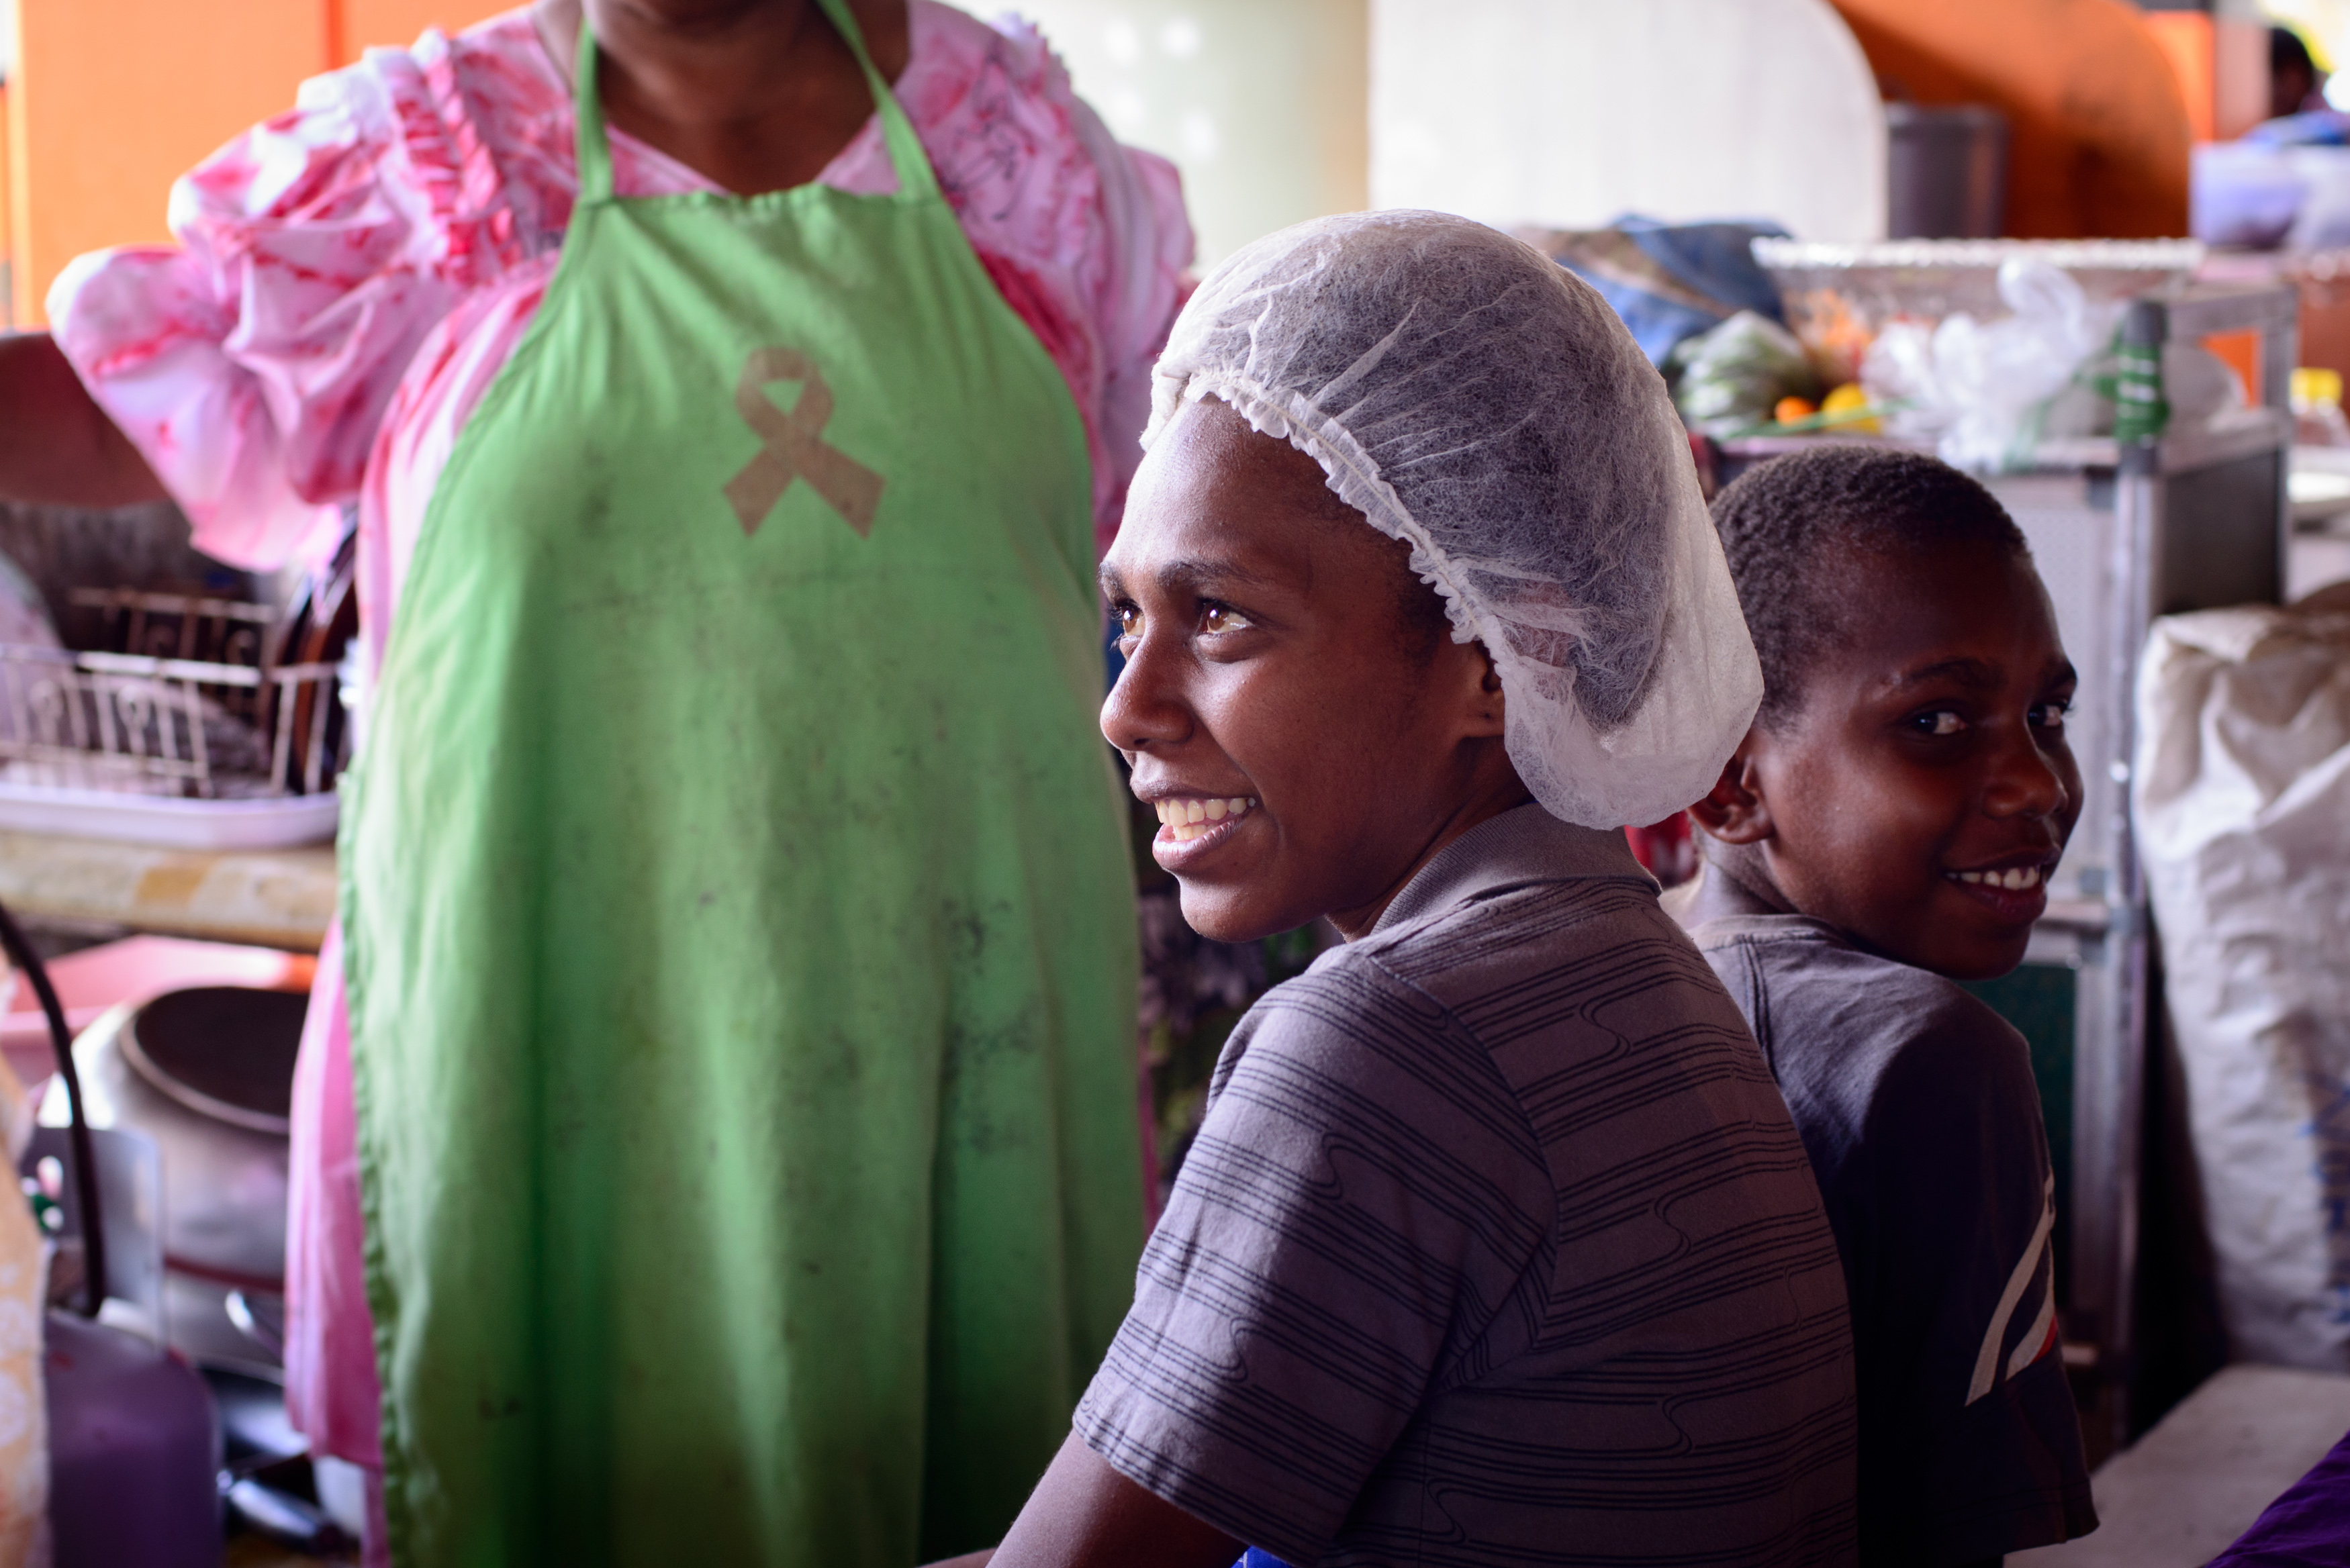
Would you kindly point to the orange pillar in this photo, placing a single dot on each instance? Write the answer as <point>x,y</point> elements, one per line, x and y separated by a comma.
<point>2186,41</point>
<point>2222,66</point>
<point>2098,131</point>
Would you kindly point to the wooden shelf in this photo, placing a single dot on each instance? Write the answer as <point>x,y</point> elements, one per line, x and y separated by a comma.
<point>279,899</point>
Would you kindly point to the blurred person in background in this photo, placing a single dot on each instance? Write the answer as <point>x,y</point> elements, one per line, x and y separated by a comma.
<point>2295,84</point>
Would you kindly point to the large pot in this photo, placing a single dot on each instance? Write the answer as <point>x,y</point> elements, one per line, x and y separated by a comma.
<point>207,1073</point>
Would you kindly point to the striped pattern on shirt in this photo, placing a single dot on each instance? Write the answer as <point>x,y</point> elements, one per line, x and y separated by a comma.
<point>1496,1246</point>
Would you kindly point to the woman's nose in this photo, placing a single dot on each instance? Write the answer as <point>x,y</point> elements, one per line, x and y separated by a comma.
<point>1143,709</point>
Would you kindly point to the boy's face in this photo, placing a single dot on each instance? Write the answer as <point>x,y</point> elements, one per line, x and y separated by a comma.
<point>1921,795</point>
<point>1275,688</point>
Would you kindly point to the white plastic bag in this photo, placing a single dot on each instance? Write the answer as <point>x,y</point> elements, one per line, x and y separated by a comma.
<point>1977,388</point>
<point>2244,194</point>
<point>2322,220</point>
<point>2242,802</point>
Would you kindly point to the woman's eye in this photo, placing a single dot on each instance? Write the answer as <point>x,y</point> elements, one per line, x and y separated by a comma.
<point>2051,715</point>
<point>1942,722</point>
<point>1129,621</point>
<point>1216,620</point>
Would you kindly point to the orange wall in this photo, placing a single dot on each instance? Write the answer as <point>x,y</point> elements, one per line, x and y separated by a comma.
<point>2097,132</point>
<point>360,25</point>
<point>2186,38</point>
<point>2222,69</point>
<point>6,175</point>
<point>113,99</point>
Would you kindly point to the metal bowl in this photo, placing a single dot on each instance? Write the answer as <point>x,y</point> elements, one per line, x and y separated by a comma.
<point>207,1073</point>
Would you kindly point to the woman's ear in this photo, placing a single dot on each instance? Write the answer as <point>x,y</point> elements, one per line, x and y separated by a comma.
<point>1734,811</point>
<point>1477,687</point>
<point>1489,687</point>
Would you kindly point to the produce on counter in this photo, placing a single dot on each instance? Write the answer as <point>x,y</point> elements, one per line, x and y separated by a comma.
<point>1849,398</point>
<point>1837,298</point>
<point>1734,375</point>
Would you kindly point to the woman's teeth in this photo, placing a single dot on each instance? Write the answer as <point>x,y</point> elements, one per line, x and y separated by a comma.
<point>1193,818</point>
<point>2014,881</point>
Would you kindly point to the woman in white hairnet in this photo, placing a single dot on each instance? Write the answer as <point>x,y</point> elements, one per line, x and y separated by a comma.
<point>1496,1244</point>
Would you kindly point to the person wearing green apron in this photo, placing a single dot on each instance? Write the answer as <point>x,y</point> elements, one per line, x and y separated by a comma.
<point>736,914</point>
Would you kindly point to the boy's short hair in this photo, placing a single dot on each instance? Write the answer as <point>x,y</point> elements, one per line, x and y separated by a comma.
<point>1780,519</point>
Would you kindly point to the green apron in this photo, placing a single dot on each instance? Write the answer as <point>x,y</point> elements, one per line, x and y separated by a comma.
<point>741,939</point>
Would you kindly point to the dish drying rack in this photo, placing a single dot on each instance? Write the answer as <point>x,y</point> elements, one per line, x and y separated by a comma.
<point>195,706</point>
<point>199,722</point>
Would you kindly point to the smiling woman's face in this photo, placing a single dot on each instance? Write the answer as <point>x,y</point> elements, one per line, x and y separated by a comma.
<point>1306,731</point>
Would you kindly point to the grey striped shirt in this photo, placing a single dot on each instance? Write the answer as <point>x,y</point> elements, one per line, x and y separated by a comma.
<point>1496,1247</point>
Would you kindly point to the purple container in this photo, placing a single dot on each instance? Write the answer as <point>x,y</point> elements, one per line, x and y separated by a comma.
<point>134,1452</point>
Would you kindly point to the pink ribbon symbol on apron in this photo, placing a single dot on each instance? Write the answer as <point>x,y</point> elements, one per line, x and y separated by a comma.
<point>792,446</point>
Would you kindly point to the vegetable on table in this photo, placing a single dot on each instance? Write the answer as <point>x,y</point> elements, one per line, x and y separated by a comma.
<point>1849,400</point>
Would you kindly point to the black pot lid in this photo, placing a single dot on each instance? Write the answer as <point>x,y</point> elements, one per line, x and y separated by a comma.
<point>222,1050</point>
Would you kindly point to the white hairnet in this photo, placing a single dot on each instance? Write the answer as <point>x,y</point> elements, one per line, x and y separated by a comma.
<point>1475,400</point>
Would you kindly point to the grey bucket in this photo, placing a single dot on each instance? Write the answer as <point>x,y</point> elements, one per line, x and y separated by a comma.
<point>1946,172</point>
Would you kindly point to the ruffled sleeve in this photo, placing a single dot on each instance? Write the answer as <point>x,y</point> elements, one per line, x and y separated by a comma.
<point>252,363</point>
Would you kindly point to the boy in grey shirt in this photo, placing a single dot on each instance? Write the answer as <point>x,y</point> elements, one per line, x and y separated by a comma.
<point>1496,1244</point>
<point>1886,828</point>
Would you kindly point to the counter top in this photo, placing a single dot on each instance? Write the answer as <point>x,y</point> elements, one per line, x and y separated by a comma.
<point>2203,1475</point>
<point>279,899</point>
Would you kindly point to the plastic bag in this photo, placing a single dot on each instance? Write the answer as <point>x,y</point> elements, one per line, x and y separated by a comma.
<point>2242,792</point>
<point>1732,376</point>
<point>2243,193</point>
<point>1981,390</point>
<point>1670,282</point>
<point>2323,221</point>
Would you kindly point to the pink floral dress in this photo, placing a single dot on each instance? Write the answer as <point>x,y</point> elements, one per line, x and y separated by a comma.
<point>351,277</point>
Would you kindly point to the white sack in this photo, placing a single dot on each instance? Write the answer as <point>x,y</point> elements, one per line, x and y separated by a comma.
<point>2243,801</point>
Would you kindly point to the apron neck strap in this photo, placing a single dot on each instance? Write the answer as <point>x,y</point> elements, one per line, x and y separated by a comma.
<point>594,148</point>
<point>915,176</point>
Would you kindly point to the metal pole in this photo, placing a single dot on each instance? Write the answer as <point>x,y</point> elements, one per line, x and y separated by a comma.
<point>2110,1066</point>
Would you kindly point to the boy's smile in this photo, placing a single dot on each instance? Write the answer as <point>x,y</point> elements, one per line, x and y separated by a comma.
<point>1291,705</point>
<point>1922,792</point>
